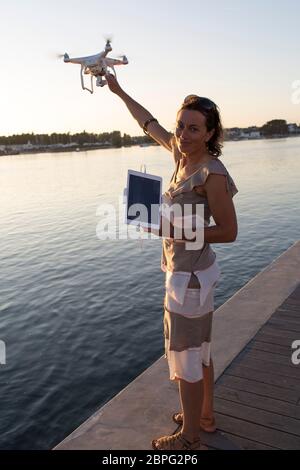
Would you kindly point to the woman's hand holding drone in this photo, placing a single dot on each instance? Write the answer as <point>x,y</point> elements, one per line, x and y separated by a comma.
<point>113,84</point>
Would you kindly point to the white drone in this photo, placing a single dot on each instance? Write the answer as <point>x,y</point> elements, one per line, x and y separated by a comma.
<point>96,65</point>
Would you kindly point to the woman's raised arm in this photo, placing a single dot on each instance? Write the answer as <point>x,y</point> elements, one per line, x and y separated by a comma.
<point>141,115</point>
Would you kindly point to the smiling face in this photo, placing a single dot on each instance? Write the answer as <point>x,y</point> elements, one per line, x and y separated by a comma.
<point>191,132</point>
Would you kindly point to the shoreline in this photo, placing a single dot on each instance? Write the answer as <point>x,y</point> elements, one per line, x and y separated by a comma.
<point>84,148</point>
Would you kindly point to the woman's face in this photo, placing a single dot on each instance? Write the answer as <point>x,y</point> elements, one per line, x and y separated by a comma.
<point>191,133</point>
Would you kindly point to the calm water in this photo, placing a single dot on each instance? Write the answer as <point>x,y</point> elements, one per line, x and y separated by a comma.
<point>81,318</point>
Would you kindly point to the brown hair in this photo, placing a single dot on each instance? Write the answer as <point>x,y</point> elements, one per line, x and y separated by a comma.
<point>213,120</point>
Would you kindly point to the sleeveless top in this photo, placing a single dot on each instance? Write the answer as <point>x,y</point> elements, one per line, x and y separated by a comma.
<point>177,261</point>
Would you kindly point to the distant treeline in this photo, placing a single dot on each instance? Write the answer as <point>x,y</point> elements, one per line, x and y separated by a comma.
<point>113,138</point>
<point>275,127</point>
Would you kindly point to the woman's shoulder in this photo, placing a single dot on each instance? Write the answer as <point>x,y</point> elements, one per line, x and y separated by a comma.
<point>214,167</point>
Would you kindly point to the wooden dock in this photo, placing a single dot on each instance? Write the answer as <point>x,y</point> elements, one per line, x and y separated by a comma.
<point>257,398</point>
<point>257,391</point>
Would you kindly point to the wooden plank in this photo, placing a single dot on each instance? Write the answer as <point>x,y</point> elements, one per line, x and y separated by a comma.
<point>257,433</point>
<point>219,441</point>
<point>273,358</point>
<point>286,316</point>
<point>265,377</point>
<point>269,367</point>
<point>281,365</point>
<point>296,291</point>
<point>256,401</point>
<point>261,389</point>
<point>290,314</point>
<point>292,301</point>
<point>286,325</point>
<point>266,338</point>
<point>246,444</point>
<point>290,306</point>
<point>291,298</point>
<point>264,418</point>
<point>274,348</point>
<point>276,331</point>
<point>295,294</point>
<point>287,307</point>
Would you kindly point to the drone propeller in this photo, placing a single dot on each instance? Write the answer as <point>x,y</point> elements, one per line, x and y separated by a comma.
<point>108,38</point>
<point>54,55</point>
<point>121,57</point>
<point>61,56</point>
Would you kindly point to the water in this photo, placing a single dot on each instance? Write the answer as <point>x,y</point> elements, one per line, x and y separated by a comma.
<point>80,317</point>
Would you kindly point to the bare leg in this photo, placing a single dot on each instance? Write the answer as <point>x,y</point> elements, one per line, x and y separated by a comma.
<point>207,414</point>
<point>191,397</point>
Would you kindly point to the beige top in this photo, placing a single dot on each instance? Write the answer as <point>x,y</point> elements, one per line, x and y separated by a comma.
<point>175,256</point>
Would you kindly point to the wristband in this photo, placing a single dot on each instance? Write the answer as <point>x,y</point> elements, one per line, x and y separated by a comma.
<point>145,126</point>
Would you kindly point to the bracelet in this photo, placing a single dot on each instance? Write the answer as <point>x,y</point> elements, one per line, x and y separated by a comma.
<point>145,126</point>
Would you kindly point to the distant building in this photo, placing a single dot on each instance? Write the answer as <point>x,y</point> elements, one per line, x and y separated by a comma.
<point>293,128</point>
<point>235,133</point>
<point>250,135</point>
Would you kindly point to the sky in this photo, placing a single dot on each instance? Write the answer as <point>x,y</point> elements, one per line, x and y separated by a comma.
<point>244,55</point>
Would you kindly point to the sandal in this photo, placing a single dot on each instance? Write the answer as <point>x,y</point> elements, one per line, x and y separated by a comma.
<point>178,419</point>
<point>176,442</point>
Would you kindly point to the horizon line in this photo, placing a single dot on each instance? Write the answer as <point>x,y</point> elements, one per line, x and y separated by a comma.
<point>138,135</point>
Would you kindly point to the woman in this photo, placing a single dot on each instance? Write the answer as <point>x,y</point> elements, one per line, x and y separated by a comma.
<point>191,274</point>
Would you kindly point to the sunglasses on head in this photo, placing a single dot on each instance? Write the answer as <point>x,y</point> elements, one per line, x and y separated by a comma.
<point>206,103</point>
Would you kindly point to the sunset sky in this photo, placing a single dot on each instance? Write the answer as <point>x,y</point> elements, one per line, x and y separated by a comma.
<point>242,54</point>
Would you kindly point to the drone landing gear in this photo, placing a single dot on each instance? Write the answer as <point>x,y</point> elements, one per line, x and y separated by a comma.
<point>82,81</point>
<point>100,81</point>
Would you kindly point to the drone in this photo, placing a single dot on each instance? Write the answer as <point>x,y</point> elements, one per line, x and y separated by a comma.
<point>96,65</point>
